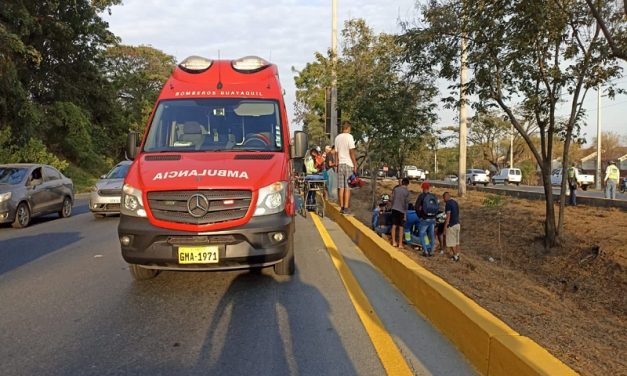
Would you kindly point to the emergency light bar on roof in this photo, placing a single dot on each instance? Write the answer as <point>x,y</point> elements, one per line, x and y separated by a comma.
<point>195,64</point>
<point>249,64</point>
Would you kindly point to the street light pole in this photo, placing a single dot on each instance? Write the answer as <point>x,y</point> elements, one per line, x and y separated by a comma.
<point>597,183</point>
<point>333,130</point>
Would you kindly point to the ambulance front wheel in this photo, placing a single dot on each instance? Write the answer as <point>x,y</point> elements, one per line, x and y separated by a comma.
<point>287,266</point>
<point>142,274</point>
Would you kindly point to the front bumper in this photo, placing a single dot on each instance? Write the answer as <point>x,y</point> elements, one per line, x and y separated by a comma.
<point>7,212</point>
<point>247,246</point>
<point>104,204</point>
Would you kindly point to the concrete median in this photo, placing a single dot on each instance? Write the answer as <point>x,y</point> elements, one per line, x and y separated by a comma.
<point>487,342</point>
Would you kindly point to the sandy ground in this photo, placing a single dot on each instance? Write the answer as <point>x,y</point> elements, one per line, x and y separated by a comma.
<point>570,300</point>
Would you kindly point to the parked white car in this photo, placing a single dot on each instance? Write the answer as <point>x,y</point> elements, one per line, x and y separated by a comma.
<point>584,180</point>
<point>413,172</point>
<point>508,175</point>
<point>475,176</point>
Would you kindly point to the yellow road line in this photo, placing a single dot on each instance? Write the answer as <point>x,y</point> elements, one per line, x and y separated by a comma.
<point>388,352</point>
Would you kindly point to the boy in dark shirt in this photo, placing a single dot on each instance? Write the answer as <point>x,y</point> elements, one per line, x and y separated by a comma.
<point>452,226</point>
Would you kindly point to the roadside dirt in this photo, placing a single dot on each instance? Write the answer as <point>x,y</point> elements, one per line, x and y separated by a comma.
<point>570,300</point>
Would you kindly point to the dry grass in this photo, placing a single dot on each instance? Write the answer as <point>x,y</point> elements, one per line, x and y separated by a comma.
<point>570,300</point>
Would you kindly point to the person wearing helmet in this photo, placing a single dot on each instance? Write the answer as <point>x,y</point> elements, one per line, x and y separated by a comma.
<point>612,175</point>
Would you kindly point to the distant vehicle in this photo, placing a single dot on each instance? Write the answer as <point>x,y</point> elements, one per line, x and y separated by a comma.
<point>106,194</point>
<point>508,175</point>
<point>475,176</point>
<point>413,172</point>
<point>32,190</point>
<point>584,180</point>
<point>451,178</point>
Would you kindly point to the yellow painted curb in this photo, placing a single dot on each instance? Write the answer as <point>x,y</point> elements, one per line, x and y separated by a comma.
<point>389,354</point>
<point>518,355</point>
<point>487,342</point>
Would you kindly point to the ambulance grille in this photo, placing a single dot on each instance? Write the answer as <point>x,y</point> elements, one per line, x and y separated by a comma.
<point>220,206</point>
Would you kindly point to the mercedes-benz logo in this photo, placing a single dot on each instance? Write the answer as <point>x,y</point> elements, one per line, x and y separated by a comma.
<point>197,205</point>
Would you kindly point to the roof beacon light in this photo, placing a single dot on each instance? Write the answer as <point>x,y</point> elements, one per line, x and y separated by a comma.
<point>195,64</point>
<point>249,64</point>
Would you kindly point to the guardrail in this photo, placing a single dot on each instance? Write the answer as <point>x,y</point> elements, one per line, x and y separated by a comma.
<point>581,200</point>
<point>488,343</point>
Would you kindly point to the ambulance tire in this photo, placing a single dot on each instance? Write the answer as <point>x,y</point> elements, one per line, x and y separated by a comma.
<point>287,266</point>
<point>142,274</point>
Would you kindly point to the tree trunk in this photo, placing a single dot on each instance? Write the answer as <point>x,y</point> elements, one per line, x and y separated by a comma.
<point>549,222</point>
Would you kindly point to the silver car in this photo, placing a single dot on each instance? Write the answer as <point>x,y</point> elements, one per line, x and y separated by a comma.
<point>106,194</point>
<point>29,190</point>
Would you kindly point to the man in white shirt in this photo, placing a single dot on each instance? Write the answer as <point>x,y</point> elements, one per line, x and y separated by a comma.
<point>347,164</point>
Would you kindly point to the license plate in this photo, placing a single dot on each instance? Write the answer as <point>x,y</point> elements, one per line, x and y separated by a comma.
<point>199,255</point>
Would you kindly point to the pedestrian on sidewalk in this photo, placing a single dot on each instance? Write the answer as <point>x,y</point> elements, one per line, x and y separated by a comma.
<point>400,202</point>
<point>452,226</point>
<point>347,164</point>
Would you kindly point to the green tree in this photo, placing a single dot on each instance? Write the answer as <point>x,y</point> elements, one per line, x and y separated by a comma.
<point>527,54</point>
<point>137,74</point>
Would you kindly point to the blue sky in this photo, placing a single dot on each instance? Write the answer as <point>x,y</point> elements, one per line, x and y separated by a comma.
<point>287,32</point>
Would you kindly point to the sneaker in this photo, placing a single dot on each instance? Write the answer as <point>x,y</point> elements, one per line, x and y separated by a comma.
<point>346,212</point>
<point>425,254</point>
<point>430,253</point>
<point>455,258</point>
<point>441,252</point>
<point>341,210</point>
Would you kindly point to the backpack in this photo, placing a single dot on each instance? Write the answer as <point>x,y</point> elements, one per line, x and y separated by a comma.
<point>430,205</point>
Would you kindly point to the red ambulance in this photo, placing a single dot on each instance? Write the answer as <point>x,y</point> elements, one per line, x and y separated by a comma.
<point>210,186</point>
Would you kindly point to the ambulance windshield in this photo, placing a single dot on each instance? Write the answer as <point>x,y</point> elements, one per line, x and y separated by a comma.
<point>215,125</point>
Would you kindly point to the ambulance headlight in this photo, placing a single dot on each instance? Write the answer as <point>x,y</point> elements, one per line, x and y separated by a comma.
<point>271,199</point>
<point>195,64</point>
<point>249,64</point>
<point>132,202</point>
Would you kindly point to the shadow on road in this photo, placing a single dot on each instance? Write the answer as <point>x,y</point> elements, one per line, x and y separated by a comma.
<point>273,327</point>
<point>16,252</point>
<point>223,323</point>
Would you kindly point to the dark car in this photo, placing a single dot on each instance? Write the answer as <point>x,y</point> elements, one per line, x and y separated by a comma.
<point>31,190</point>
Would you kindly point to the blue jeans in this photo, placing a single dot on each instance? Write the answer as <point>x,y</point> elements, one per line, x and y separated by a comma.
<point>383,230</point>
<point>610,189</point>
<point>332,184</point>
<point>427,226</point>
<point>573,196</point>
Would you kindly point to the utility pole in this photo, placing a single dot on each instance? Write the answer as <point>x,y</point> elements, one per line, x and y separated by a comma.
<point>333,131</point>
<point>461,183</point>
<point>597,183</point>
<point>511,147</point>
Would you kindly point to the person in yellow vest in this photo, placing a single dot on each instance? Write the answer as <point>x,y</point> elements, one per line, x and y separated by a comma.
<point>573,184</point>
<point>612,175</point>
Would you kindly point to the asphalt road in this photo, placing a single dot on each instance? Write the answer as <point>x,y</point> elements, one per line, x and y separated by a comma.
<point>68,306</point>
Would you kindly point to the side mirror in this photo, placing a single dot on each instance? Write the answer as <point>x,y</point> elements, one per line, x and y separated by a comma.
<point>103,176</point>
<point>132,145</point>
<point>299,148</point>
